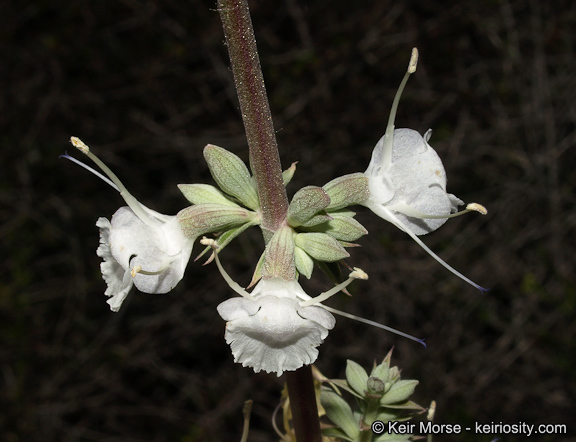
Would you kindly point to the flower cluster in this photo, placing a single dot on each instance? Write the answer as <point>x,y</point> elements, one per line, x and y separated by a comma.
<point>277,327</point>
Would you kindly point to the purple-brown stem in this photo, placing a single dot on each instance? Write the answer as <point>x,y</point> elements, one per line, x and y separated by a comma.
<point>265,165</point>
<point>264,157</point>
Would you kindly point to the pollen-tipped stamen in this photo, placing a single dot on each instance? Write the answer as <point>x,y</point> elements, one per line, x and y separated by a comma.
<point>356,274</point>
<point>407,210</point>
<point>130,200</point>
<point>386,158</point>
<point>165,266</point>
<point>233,285</point>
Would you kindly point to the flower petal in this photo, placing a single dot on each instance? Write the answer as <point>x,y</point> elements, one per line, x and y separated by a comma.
<point>277,337</point>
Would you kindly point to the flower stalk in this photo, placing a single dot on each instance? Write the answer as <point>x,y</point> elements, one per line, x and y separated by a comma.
<point>264,157</point>
<point>265,165</point>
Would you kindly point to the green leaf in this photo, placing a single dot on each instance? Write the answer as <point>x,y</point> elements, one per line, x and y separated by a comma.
<point>340,413</point>
<point>232,175</point>
<point>356,377</point>
<point>400,391</point>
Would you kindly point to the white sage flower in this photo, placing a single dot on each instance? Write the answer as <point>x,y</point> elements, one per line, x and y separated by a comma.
<point>139,246</point>
<point>278,326</point>
<point>407,182</point>
<point>273,331</point>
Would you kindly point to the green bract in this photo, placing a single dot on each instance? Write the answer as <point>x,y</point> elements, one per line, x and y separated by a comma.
<point>279,255</point>
<point>205,218</point>
<point>232,175</point>
<point>305,204</point>
<point>342,226</point>
<point>347,190</point>
<point>321,246</point>
<point>304,263</point>
<point>205,194</point>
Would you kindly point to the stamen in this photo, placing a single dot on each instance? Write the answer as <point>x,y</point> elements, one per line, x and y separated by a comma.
<point>135,270</point>
<point>407,210</point>
<point>130,200</point>
<point>386,158</point>
<point>88,168</point>
<point>356,274</point>
<point>374,324</point>
<point>233,285</point>
<point>389,216</point>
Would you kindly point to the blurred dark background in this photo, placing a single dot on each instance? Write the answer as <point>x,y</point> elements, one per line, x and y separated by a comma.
<point>146,84</point>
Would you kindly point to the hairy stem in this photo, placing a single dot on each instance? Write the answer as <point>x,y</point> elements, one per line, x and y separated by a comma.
<point>265,165</point>
<point>303,404</point>
<point>264,157</point>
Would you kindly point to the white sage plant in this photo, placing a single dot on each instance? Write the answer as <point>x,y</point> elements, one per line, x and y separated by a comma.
<point>276,327</point>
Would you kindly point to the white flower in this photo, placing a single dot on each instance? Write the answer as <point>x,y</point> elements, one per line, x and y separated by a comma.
<point>407,182</point>
<point>408,185</point>
<point>272,331</point>
<point>139,246</point>
<point>152,257</point>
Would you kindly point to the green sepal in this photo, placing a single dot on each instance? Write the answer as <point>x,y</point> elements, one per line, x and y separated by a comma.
<point>315,220</point>
<point>205,194</point>
<point>226,238</point>
<point>340,413</point>
<point>304,263</point>
<point>279,255</point>
<point>400,391</point>
<point>305,204</point>
<point>356,377</point>
<point>209,218</point>
<point>347,190</point>
<point>342,227</point>
<point>232,175</point>
<point>321,246</point>
<point>258,270</point>
<point>289,173</point>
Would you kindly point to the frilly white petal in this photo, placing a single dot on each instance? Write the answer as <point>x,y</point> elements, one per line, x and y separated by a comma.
<point>126,242</point>
<point>415,177</point>
<point>119,281</point>
<point>273,332</point>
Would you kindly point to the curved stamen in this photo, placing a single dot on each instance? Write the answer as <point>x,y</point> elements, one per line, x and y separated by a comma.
<point>386,158</point>
<point>130,200</point>
<point>233,285</point>
<point>356,274</point>
<point>407,210</point>
<point>389,216</point>
<point>375,324</point>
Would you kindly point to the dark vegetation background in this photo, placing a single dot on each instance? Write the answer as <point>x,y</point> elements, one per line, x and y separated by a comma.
<point>146,84</point>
